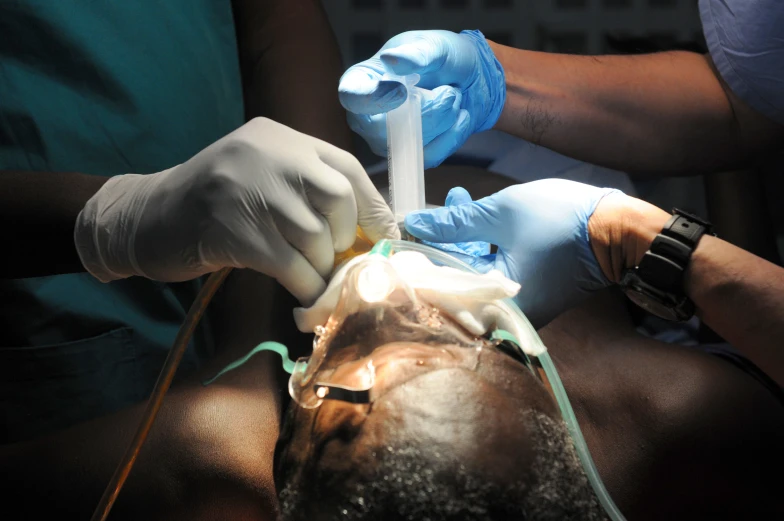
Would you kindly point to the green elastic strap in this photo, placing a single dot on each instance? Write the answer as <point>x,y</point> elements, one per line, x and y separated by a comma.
<point>502,334</point>
<point>277,347</point>
<point>382,247</point>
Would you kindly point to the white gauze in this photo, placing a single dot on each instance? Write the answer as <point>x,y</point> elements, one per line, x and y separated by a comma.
<point>473,300</point>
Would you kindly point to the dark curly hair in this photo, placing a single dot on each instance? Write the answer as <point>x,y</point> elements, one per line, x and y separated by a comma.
<point>420,482</point>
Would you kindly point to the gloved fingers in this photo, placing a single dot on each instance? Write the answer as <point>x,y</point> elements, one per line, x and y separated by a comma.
<point>291,269</point>
<point>481,263</point>
<point>457,196</point>
<point>475,221</point>
<point>306,231</point>
<point>372,128</point>
<point>373,213</point>
<point>476,248</point>
<point>362,91</point>
<point>440,110</point>
<point>448,142</point>
<point>375,217</point>
<point>484,263</point>
<point>332,195</point>
<point>425,52</point>
<point>439,57</point>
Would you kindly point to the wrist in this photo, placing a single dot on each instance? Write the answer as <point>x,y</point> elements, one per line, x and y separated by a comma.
<point>621,230</point>
<point>505,121</point>
<point>88,235</point>
<point>105,226</point>
<point>490,103</point>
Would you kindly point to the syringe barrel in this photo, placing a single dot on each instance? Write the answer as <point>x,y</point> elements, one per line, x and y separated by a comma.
<point>404,151</point>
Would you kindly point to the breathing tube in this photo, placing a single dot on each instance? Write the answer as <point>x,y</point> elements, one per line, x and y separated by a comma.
<point>162,385</point>
<point>577,438</point>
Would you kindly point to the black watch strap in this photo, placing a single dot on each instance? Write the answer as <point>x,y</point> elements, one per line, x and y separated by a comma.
<point>686,227</point>
<point>665,262</point>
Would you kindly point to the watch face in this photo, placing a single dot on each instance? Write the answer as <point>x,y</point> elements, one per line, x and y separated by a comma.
<point>652,305</point>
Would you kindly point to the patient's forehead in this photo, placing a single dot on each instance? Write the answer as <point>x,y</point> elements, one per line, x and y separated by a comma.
<point>482,398</point>
<point>453,411</point>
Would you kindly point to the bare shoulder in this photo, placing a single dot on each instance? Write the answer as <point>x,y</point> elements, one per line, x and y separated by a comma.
<point>707,434</point>
<point>675,432</point>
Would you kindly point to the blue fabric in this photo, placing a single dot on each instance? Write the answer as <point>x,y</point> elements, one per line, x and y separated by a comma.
<point>103,88</point>
<point>746,42</point>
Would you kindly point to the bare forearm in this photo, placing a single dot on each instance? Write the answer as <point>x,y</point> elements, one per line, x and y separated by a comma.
<point>655,114</point>
<point>38,211</point>
<point>291,65</point>
<point>741,297</point>
<point>737,294</point>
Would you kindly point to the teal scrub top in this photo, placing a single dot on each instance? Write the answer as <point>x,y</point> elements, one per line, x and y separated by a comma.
<point>105,88</point>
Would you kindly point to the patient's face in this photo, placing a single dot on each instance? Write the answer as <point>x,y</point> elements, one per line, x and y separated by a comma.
<point>475,415</point>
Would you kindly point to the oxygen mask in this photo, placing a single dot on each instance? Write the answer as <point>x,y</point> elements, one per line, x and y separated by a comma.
<point>379,318</point>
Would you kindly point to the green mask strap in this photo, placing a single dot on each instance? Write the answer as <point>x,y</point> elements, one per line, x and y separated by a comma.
<point>382,247</point>
<point>276,347</point>
<point>502,334</point>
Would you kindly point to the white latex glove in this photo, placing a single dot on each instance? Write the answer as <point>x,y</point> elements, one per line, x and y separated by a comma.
<point>264,197</point>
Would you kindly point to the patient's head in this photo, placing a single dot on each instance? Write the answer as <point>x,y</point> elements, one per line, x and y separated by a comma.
<point>438,442</point>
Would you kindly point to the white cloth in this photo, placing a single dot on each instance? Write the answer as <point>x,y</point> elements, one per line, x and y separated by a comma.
<point>473,300</point>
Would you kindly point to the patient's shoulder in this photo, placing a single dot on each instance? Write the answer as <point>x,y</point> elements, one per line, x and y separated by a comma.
<point>714,431</point>
<point>702,391</point>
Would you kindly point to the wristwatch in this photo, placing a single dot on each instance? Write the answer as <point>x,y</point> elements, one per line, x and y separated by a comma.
<point>656,284</point>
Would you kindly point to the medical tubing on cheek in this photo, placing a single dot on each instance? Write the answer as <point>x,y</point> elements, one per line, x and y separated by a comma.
<point>165,378</point>
<point>405,154</point>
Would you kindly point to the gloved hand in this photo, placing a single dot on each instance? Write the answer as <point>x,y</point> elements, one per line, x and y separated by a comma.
<point>264,197</point>
<point>456,197</point>
<point>541,230</point>
<point>465,81</point>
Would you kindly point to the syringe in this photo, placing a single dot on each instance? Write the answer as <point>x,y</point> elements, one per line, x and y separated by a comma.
<point>404,152</point>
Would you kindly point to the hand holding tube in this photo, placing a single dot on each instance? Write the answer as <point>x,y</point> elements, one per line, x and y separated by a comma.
<point>464,82</point>
<point>541,230</point>
<point>264,197</point>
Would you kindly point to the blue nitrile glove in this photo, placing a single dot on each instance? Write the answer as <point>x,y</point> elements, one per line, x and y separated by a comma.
<point>456,197</point>
<point>541,230</point>
<point>464,81</point>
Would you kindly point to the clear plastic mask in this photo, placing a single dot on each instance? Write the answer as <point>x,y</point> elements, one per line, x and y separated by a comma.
<point>377,314</point>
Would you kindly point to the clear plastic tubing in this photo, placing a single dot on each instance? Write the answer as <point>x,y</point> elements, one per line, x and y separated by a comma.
<point>404,151</point>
